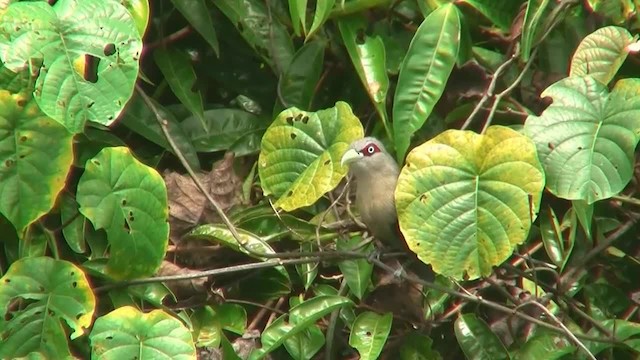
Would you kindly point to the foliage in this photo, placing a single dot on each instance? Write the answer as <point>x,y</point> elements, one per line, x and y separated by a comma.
<point>178,164</point>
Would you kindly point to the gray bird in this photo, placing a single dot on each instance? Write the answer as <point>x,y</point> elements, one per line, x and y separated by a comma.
<point>376,174</point>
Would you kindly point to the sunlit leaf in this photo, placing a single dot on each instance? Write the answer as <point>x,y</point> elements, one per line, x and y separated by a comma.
<point>466,200</point>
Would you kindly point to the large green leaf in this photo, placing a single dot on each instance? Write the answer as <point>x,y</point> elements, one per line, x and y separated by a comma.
<point>601,53</point>
<point>587,136</point>
<point>466,200</point>
<point>477,340</point>
<point>424,73</point>
<point>57,292</point>
<point>369,334</point>
<point>368,56</point>
<point>35,155</point>
<point>89,52</point>
<point>127,333</point>
<point>357,273</point>
<point>300,154</point>
<point>129,201</point>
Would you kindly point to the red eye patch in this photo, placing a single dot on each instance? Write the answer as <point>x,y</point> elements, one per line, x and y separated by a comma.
<point>370,149</point>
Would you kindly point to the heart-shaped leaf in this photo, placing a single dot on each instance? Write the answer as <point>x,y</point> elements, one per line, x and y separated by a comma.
<point>127,333</point>
<point>586,138</point>
<point>89,51</point>
<point>466,200</point>
<point>601,53</point>
<point>129,201</point>
<point>300,154</point>
<point>35,155</point>
<point>57,292</point>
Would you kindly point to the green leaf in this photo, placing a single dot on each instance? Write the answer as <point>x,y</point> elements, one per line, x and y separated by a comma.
<point>89,50</point>
<point>35,155</point>
<point>477,340</point>
<point>535,15</point>
<point>466,200</point>
<point>418,347</point>
<point>139,10</point>
<point>127,333</point>
<point>264,33</point>
<point>424,73</point>
<point>224,129</point>
<point>197,13</point>
<point>300,154</point>
<point>584,212</point>
<point>305,344</point>
<point>357,273</point>
<point>74,222</point>
<point>298,13</point>
<point>176,67</point>
<point>621,330</point>
<point>323,10</point>
<point>369,333</point>
<point>128,200</point>
<point>56,292</point>
<point>221,234</point>
<point>141,120</point>
<point>300,317</point>
<point>297,85</point>
<point>309,271</point>
<point>368,56</point>
<point>499,12</point>
<point>601,53</point>
<point>587,136</point>
<point>544,345</point>
<point>553,238</point>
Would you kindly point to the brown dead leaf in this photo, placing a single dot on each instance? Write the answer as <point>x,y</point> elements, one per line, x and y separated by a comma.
<point>184,288</point>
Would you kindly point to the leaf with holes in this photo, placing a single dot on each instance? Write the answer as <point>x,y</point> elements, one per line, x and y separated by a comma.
<point>55,292</point>
<point>601,53</point>
<point>369,333</point>
<point>127,333</point>
<point>89,52</point>
<point>35,156</point>
<point>586,138</point>
<point>300,154</point>
<point>128,200</point>
<point>368,56</point>
<point>424,73</point>
<point>466,200</point>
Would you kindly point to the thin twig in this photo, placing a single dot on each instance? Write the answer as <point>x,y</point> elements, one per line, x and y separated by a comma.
<point>566,331</point>
<point>489,92</point>
<point>506,91</point>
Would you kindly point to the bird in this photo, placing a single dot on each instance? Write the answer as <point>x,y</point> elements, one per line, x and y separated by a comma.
<point>376,174</point>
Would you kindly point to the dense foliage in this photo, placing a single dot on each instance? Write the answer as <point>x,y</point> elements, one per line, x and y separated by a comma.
<point>171,186</point>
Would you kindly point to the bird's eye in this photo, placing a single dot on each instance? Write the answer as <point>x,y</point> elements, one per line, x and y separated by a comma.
<point>370,149</point>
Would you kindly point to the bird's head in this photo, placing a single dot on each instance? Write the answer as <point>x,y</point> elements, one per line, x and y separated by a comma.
<point>368,157</point>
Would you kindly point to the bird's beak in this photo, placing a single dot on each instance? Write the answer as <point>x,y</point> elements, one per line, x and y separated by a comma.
<point>350,156</point>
